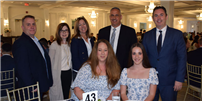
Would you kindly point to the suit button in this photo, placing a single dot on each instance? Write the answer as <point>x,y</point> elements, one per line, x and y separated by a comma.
<point>157,59</point>
<point>83,58</point>
<point>82,52</point>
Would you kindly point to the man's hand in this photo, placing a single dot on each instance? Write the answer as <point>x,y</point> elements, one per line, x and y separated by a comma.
<point>177,86</point>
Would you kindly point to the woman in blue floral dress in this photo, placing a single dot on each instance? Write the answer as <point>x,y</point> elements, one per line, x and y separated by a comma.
<point>140,79</point>
<point>100,73</point>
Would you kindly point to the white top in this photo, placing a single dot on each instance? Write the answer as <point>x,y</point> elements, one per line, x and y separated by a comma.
<point>65,52</point>
<point>117,32</point>
<point>163,34</point>
<point>88,46</point>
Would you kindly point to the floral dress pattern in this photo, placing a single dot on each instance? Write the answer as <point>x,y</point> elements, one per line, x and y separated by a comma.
<point>138,89</point>
<point>85,82</point>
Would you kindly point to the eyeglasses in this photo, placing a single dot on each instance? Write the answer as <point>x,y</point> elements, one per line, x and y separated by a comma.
<point>63,31</point>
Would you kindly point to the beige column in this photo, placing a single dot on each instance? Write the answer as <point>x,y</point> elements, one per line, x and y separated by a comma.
<point>169,5</point>
<point>47,24</point>
<point>5,18</point>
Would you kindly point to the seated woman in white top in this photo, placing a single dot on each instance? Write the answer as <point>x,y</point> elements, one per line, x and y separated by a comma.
<point>140,78</point>
<point>100,73</point>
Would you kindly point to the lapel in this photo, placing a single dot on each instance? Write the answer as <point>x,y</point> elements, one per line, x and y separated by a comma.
<point>32,43</point>
<point>108,33</point>
<point>153,36</point>
<point>166,40</point>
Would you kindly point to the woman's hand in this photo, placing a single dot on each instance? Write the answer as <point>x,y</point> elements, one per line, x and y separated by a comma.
<point>110,96</point>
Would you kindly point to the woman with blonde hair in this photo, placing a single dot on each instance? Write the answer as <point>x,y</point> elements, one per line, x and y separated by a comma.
<point>81,45</point>
<point>100,73</point>
<point>61,63</point>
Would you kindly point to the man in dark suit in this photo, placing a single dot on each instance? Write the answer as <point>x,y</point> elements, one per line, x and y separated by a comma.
<point>195,58</point>
<point>7,63</point>
<point>31,59</point>
<point>121,37</point>
<point>166,50</point>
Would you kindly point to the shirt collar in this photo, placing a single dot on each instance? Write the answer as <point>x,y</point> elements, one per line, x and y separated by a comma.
<point>116,27</point>
<point>163,29</point>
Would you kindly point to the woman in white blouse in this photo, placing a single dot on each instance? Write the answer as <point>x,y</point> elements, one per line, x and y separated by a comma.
<point>81,45</point>
<point>61,63</point>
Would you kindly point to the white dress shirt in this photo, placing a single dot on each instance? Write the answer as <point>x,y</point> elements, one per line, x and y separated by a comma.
<point>163,35</point>
<point>117,32</point>
<point>88,46</point>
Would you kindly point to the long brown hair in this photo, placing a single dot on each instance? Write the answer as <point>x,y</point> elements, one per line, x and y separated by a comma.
<point>76,28</point>
<point>145,61</point>
<point>57,34</point>
<point>113,69</point>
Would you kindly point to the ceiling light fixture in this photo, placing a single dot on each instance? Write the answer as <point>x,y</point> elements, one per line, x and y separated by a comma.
<point>93,14</point>
<point>149,9</point>
<point>199,17</point>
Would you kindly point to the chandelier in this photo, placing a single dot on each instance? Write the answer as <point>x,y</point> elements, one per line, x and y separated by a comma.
<point>150,18</point>
<point>199,17</point>
<point>149,9</point>
<point>93,14</point>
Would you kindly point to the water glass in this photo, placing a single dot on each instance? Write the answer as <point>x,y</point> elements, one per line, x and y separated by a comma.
<point>115,96</point>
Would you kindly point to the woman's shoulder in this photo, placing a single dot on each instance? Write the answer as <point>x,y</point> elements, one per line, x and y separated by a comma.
<point>125,70</point>
<point>86,66</point>
<point>54,44</point>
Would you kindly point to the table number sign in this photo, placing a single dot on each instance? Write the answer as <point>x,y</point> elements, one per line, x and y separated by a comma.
<point>90,96</point>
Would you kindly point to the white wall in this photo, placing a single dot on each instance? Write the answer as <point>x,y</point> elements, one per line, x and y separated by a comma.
<point>56,15</point>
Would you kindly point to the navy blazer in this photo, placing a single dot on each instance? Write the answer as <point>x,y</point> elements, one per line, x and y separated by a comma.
<point>171,61</point>
<point>7,63</point>
<point>195,58</point>
<point>79,52</point>
<point>127,38</point>
<point>31,65</point>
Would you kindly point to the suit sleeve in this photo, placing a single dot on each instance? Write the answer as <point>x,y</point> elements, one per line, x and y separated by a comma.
<point>23,69</point>
<point>76,63</point>
<point>182,57</point>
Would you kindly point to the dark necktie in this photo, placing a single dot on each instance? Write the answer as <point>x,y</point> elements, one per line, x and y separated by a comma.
<point>159,42</point>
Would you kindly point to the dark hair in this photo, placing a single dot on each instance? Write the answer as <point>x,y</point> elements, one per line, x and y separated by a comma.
<point>57,34</point>
<point>44,42</point>
<point>145,61</point>
<point>159,7</point>
<point>113,69</point>
<point>27,16</point>
<point>76,28</point>
<point>144,30</point>
<point>116,8</point>
<point>185,39</point>
<point>6,47</point>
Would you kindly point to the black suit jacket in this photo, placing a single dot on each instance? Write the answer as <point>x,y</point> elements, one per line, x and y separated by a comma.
<point>127,37</point>
<point>195,58</point>
<point>31,65</point>
<point>7,63</point>
<point>79,52</point>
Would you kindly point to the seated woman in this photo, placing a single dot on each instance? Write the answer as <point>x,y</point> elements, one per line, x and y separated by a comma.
<point>140,78</point>
<point>100,73</point>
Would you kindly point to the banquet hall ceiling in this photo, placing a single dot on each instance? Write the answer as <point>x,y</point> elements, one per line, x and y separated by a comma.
<point>185,8</point>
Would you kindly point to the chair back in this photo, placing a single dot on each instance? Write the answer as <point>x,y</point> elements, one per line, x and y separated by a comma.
<point>194,81</point>
<point>24,93</point>
<point>194,75</point>
<point>7,81</point>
